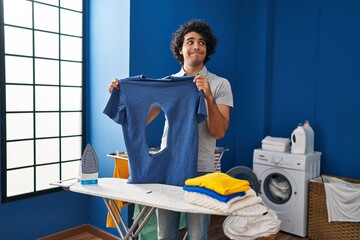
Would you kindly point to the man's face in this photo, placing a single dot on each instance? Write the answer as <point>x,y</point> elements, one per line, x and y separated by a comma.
<point>193,49</point>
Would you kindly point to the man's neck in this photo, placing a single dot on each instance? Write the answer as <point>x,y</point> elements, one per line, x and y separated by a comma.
<point>193,70</point>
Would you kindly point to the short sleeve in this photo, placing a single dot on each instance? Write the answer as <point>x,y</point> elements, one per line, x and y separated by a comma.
<point>115,107</point>
<point>223,94</point>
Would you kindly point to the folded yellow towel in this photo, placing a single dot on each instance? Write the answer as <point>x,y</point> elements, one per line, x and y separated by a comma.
<point>220,183</point>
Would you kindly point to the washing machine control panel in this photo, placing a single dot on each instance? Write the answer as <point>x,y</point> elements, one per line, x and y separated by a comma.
<point>290,163</point>
<point>283,160</point>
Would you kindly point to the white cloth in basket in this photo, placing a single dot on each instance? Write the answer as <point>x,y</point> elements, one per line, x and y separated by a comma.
<point>342,200</point>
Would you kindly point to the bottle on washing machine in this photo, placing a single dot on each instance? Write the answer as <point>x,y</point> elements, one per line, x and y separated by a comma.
<point>298,140</point>
<point>310,136</point>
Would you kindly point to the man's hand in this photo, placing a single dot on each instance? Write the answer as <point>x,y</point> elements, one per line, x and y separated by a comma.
<point>202,84</point>
<point>114,84</point>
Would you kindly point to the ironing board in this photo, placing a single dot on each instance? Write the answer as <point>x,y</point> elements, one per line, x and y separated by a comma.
<point>151,196</point>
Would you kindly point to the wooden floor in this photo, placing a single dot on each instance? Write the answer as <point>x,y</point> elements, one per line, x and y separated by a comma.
<point>215,233</point>
<point>84,236</point>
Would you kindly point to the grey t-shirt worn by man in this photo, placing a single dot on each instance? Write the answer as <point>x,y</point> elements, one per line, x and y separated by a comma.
<point>221,90</point>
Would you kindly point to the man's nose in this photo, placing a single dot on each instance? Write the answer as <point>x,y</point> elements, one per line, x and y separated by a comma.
<point>196,45</point>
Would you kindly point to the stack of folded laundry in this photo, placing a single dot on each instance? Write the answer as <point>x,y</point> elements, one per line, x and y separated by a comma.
<point>278,144</point>
<point>223,193</point>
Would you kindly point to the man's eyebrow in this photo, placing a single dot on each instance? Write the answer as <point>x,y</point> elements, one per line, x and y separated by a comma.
<point>193,38</point>
<point>190,38</point>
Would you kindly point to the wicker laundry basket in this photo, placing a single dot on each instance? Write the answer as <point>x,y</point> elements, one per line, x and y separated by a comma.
<point>319,227</point>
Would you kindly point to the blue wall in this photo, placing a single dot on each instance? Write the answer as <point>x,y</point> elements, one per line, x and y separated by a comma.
<point>287,61</point>
<point>107,58</point>
<point>42,215</point>
<point>299,60</point>
<point>250,88</point>
<point>315,64</point>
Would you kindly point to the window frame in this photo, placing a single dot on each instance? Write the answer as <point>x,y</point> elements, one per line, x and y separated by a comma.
<point>3,111</point>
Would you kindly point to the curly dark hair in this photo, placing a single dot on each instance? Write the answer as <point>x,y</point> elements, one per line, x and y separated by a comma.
<point>198,26</point>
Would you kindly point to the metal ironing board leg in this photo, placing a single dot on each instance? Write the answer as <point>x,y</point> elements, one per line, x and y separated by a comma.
<point>118,213</point>
<point>146,219</point>
<point>106,201</point>
<point>136,224</point>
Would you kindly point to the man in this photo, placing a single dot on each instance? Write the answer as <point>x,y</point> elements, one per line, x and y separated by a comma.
<point>192,44</point>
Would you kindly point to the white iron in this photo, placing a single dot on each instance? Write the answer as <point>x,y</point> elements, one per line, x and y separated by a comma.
<point>89,166</point>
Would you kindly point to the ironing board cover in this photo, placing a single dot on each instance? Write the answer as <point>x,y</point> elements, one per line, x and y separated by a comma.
<point>154,195</point>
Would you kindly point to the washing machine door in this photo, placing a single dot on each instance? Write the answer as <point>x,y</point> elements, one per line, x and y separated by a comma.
<point>245,173</point>
<point>278,189</point>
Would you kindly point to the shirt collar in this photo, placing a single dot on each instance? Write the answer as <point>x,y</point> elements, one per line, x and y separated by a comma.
<point>203,72</point>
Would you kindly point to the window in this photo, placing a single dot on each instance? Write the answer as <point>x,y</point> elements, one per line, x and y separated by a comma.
<point>42,95</point>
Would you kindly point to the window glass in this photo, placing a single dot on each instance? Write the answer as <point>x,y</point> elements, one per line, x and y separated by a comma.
<point>13,72</point>
<point>46,45</point>
<point>47,150</point>
<point>47,71</point>
<point>19,98</point>
<point>71,48</point>
<point>19,154</point>
<point>71,22</point>
<point>71,123</point>
<point>19,126</point>
<point>18,41</point>
<point>45,175</point>
<point>72,4</point>
<point>71,99</point>
<point>47,124</point>
<point>20,181</point>
<point>46,17</point>
<point>18,12</point>
<point>70,169</point>
<point>51,2</point>
<point>71,73</point>
<point>68,151</point>
<point>46,98</point>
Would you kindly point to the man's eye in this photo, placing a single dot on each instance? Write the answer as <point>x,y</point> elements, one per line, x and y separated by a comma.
<point>190,42</point>
<point>202,43</point>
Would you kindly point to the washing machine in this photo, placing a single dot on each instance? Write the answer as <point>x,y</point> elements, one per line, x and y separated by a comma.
<point>284,180</point>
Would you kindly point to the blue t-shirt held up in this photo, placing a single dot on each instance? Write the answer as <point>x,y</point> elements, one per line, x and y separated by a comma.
<point>184,107</point>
